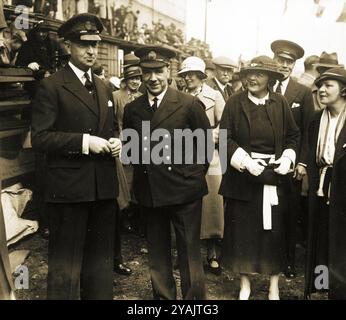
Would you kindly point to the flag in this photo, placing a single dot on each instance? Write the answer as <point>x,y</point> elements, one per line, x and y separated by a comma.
<point>285,7</point>
<point>342,17</point>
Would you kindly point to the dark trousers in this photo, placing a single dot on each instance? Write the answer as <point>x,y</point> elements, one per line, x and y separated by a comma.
<point>118,258</point>
<point>80,252</point>
<point>292,212</point>
<point>186,220</point>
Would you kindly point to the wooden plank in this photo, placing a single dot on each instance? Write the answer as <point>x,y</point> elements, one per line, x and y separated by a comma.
<point>24,163</point>
<point>14,103</point>
<point>13,132</point>
<point>15,79</point>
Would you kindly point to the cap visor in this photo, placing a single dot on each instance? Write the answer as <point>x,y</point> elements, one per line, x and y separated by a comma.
<point>286,56</point>
<point>90,37</point>
<point>153,64</point>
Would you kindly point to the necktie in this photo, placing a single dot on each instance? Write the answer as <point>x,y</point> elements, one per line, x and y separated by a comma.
<point>279,88</point>
<point>88,84</point>
<point>225,92</point>
<point>154,106</point>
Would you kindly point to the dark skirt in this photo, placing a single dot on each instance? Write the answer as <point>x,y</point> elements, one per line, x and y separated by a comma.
<point>247,247</point>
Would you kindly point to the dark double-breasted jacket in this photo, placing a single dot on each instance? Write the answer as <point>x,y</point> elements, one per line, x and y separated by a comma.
<point>299,98</point>
<point>63,111</point>
<point>236,120</point>
<point>169,183</point>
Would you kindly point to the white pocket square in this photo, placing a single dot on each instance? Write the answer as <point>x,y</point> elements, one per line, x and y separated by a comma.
<point>295,105</point>
<point>110,103</point>
<point>344,146</point>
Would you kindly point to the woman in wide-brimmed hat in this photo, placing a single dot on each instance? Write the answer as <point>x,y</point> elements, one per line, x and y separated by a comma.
<point>261,148</point>
<point>193,72</point>
<point>327,177</point>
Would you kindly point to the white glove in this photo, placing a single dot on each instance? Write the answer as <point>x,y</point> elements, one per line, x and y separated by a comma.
<point>254,166</point>
<point>34,66</point>
<point>284,165</point>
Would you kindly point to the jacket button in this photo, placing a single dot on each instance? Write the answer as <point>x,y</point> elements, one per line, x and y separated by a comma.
<point>166,146</point>
<point>169,168</point>
<point>145,149</point>
<point>166,136</point>
<point>90,130</point>
<point>145,138</point>
<point>168,158</point>
<point>145,172</point>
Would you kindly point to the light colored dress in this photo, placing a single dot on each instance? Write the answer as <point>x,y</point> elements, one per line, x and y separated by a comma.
<point>213,209</point>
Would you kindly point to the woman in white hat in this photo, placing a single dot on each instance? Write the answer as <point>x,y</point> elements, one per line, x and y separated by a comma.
<point>193,71</point>
<point>261,141</point>
<point>327,181</point>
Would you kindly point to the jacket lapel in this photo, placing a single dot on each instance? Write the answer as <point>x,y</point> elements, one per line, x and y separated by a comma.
<point>245,103</point>
<point>273,115</point>
<point>291,91</point>
<point>340,149</point>
<point>74,86</point>
<point>102,99</point>
<point>168,106</point>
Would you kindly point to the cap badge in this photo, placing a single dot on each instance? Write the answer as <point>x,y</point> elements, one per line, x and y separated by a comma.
<point>88,25</point>
<point>152,55</point>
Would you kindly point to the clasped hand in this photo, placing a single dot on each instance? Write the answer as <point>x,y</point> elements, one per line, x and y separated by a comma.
<point>99,145</point>
<point>254,166</point>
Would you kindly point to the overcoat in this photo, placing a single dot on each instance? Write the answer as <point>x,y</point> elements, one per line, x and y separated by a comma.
<point>337,215</point>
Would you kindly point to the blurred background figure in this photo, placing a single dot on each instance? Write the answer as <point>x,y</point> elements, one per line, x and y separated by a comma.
<point>224,69</point>
<point>212,225</point>
<point>237,84</point>
<point>209,69</point>
<point>310,72</point>
<point>9,48</point>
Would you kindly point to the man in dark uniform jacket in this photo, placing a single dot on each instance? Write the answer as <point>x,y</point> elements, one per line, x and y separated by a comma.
<point>224,69</point>
<point>300,100</point>
<point>73,123</point>
<point>169,192</point>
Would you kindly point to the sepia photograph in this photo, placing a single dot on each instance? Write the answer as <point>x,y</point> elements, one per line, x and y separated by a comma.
<point>174,150</point>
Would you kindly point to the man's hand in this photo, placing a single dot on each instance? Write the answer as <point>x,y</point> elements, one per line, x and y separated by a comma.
<point>34,66</point>
<point>284,165</point>
<point>99,145</point>
<point>299,172</point>
<point>254,166</point>
<point>115,146</point>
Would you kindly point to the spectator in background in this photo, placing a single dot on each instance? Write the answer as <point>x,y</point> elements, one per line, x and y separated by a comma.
<point>224,69</point>
<point>326,61</point>
<point>9,48</point>
<point>37,53</point>
<point>311,73</point>
<point>212,225</point>
<point>237,84</point>
<point>3,24</point>
<point>209,69</point>
<point>46,7</point>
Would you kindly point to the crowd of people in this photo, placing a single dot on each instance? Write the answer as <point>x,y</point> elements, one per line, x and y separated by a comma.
<point>284,139</point>
<point>119,21</point>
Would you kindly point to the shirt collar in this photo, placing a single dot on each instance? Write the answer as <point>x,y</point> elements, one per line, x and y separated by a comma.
<point>80,73</point>
<point>256,100</point>
<point>222,86</point>
<point>159,97</point>
<point>284,85</point>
